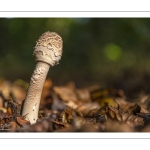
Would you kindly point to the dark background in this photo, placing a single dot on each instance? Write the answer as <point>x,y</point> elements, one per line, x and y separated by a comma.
<point>104,51</point>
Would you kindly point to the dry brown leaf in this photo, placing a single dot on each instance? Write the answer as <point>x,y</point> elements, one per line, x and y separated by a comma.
<point>118,115</point>
<point>65,93</point>
<point>22,122</point>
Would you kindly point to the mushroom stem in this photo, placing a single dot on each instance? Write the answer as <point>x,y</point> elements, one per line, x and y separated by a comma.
<point>47,52</point>
<point>32,101</point>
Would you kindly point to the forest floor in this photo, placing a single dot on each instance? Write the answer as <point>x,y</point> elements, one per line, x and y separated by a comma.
<point>67,108</point>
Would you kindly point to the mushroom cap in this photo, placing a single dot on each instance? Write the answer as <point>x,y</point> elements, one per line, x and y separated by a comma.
<point>48,48</point>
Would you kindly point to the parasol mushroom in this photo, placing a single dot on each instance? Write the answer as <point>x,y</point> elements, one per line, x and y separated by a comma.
<point>48,52</point>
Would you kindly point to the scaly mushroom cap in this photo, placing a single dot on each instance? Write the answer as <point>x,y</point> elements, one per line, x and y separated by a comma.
<point>48,48</point>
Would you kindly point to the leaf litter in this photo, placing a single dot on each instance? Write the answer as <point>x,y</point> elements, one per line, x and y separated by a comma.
<point>67,108</point>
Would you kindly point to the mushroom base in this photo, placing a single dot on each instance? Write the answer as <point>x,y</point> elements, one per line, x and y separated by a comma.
<point>32,100</point>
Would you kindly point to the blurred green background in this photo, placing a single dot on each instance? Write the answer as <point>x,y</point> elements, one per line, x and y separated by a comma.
<point>105,51</point>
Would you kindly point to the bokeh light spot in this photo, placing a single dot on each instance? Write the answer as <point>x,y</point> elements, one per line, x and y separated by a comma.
<point>112,52</point>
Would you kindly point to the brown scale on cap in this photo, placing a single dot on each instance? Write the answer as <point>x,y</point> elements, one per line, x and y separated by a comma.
<point>49,48</point>
<point>47,52</point>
